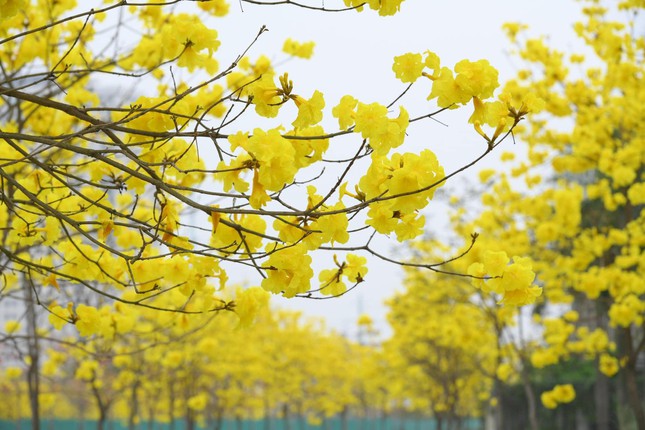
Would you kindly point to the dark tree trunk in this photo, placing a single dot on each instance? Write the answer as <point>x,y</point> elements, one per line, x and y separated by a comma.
<point>102,405</point>
<point>498,411</point>
<point>530,399</point>
<point>190,420</point>
<point>633,396</point>
<point>171,406</point>
<point>33,373</point>
<point>602,402</point>
<point>134,406</point>
<point>219,419</point>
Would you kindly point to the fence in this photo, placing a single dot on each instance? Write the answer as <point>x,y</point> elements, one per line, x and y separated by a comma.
<point>390,423</point>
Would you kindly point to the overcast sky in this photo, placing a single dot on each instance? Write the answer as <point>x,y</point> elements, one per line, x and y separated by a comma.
<point>353,55</point>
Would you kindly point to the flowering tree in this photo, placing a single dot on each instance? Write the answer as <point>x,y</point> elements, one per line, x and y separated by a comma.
<point>134,197</point>
<point>126,177</point>
<point>572,210</point>
<point>201,372</point>
<point>591,225</point>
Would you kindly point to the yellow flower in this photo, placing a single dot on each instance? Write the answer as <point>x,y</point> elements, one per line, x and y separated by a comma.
<point>381,217</point>
<point>608,365</point>
<point>504,371</point>
<point>409,227</point>
<point>309,111</point>
<point>11,7</point>
<point>477,271</point>
<point>512,29</point>
<point>571,316</point>
<point>433,63</point>
<point>344,111</point>
<point>259,196</point>
<point>521,297</point>
<point>517,276</point>
<point>446,90</point>
<point>477,79</point>
<point>486,174</point>
<point>355,268</point>
<point>215,7</point>
<point>364,320</point>
<point>331,283</point>
<point>495,262</point>
<point>297,49</point>
<point>393,134</point>
<point>548,400</point>
<point>384,7</point>
<point>564,393</point>
<point>87,370</point>
<point>198,402</point>
<point>333,228</point>
<point>249,303</point>
<point>11,327</point>
<point>408,67</point>
<point>13,372</point>
<point>275,155</point>
<point>173,359</point>
<point>371,120</point>
<point>88,320</point>
<point>288,271</point>
<point>59,316</point>
<point>629,310</point>
<point>265,95</point>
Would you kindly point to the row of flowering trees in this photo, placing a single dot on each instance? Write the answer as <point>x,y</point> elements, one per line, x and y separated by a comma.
<point>571,208</point>
<point>121,220</point>
<point>205,371</point>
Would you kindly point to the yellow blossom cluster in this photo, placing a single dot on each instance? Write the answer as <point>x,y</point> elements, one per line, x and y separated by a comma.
<point>582,229</point>
<point>558,395</point>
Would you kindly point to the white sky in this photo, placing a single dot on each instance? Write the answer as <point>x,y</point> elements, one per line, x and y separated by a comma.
<point>353,55</point>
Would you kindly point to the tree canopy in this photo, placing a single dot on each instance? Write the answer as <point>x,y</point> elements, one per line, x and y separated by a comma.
<point>131,194</point>
<point>140,168</point>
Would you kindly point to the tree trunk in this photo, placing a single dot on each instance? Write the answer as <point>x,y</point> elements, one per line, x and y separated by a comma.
<point>190,420</point>
<point>102,406</point>
<point>134,406</point>
<point>602,403</point>
<point>33,373</point>
<point>530,399</point>
<point>171,406</point>
<point>633,396</point>
<point>151,417</point>
<point>100,425</point>
<point>498,409</point>
<point>383,419</point>
<point>326,424</point>
<point>459,423</point>
<point>218,420</point>
<point>285,417</point>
